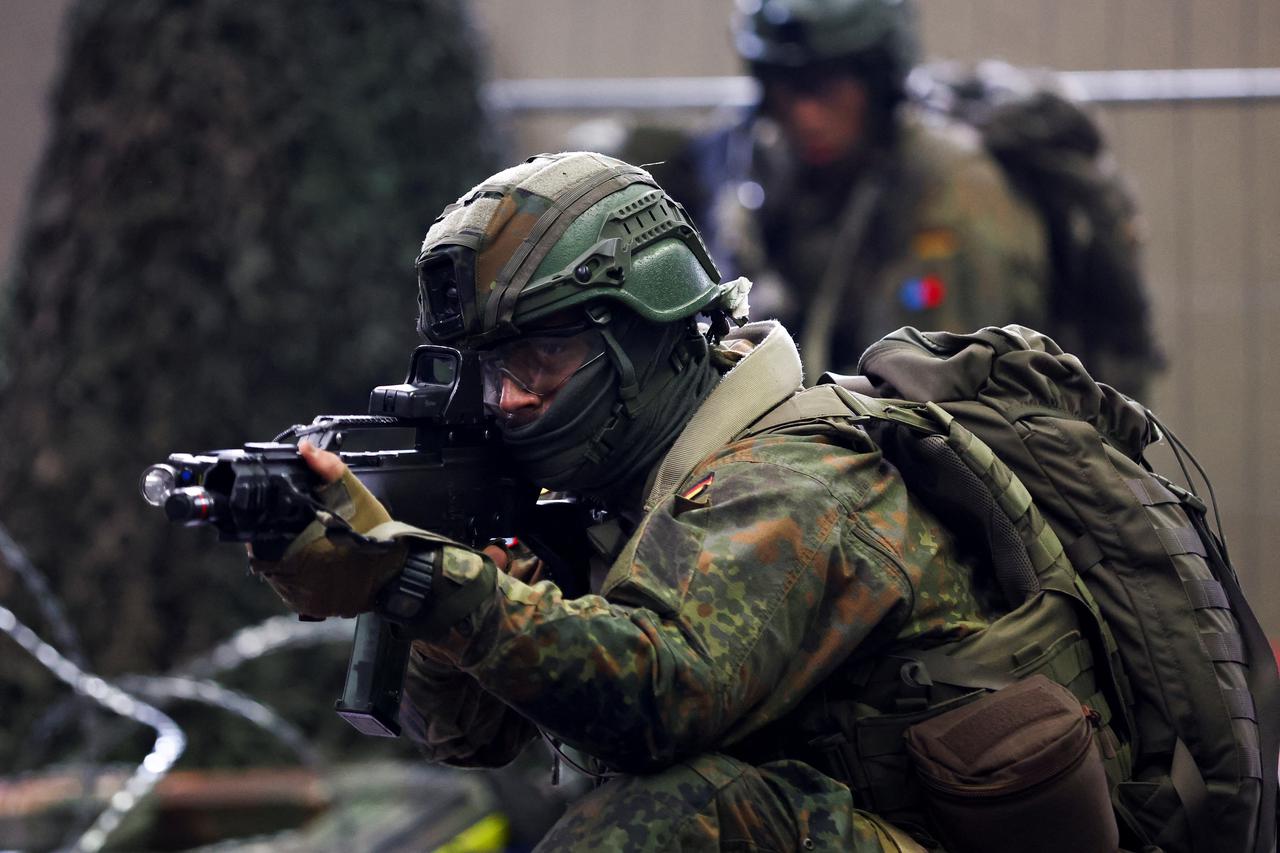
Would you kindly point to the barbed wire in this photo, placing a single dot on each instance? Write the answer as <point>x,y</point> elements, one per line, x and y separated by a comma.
<point>278,633</point>
<point>68,640</point>
<point>65,635</point>
<point>189,682</point>
<point>272,635</point>
<point>168,746</point>
<point>162,689</point>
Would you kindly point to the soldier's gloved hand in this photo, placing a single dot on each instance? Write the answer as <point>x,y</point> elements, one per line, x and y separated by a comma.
<point>516,559</point>
<point>322,576</point>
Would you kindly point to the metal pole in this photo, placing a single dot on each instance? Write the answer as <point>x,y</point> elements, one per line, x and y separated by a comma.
<point>1148,86</point>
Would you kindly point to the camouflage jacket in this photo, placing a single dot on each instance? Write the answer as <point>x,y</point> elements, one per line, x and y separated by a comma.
<point>926,232</point>
<point>765,567</point>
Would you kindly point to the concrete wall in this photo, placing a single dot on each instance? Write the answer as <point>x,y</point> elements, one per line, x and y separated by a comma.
<point>29,42</point>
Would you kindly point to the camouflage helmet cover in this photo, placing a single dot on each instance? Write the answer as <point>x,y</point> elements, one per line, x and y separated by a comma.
<point>556,231</point>
<point>798,33</point>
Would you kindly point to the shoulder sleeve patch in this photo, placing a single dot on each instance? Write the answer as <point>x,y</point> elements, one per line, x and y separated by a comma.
<point>696,496</point>
<point>923,293</point>
<point>699,489</point>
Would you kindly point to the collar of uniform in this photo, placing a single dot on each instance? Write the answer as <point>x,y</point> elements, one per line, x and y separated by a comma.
<point>766,376</point>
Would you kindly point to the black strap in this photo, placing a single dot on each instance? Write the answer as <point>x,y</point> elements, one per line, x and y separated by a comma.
<point>1191,789</point>
<point>404,597</point>
<point>1084,553</point>
<point>1181,540</point>
<point>1150,492</point>
<point>1240,703</point>
<point>1250,762</point>
<point>1249,751</point>
<point>1227,647</point>
<point>1206,593</point>
<point>935,666</point>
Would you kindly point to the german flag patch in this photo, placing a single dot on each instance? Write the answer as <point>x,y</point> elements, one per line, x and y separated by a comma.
<point>699,488</point>
<point>696,496</point>
<point>934,244</point>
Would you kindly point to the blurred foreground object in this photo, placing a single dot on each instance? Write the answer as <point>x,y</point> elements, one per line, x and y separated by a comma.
<point>381,806</point>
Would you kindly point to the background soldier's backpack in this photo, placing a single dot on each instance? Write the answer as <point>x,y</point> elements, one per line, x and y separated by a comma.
<point>1055,153</point>
<point>1118,588</point>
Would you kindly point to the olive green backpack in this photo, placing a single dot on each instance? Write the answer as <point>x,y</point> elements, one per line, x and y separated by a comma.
<point>1117,588</point>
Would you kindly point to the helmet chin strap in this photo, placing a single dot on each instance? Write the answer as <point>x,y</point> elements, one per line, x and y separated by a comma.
<point>628,385</point>
<point>629,404</point>
<point>669,346</point>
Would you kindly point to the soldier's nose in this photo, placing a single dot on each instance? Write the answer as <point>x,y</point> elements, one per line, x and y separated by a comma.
<point>516,399</point>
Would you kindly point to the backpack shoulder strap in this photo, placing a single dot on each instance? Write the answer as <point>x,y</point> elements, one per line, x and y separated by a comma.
<point>832,401</point>
<point>961,470</point>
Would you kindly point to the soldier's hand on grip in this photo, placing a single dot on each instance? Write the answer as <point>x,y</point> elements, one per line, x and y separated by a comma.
<point>516,559</point>
<point>326,571</point>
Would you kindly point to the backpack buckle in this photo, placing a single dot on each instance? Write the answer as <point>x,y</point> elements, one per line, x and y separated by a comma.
<point>914,674</point>
<point>1184,496</point>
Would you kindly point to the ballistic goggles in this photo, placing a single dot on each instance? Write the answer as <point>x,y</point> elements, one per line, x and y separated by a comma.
<point>536,366</point>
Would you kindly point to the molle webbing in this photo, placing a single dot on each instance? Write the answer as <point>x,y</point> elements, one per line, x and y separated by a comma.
<point>1220,632</point>
<point>1194,666</point>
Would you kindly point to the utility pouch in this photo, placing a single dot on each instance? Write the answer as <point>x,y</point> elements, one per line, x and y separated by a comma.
<point>1015,770</point>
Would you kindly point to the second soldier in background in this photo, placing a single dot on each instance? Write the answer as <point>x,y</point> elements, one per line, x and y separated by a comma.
<point>857,211</point>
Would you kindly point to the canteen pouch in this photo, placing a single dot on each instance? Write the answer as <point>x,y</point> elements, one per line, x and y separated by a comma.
<point>1015,770</point>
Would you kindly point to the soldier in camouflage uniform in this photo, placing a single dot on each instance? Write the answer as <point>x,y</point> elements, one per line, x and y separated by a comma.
<point>853,212</point>
<point>746,574</point>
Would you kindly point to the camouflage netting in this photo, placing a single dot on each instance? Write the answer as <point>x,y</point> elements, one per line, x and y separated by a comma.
<point>219,243</point>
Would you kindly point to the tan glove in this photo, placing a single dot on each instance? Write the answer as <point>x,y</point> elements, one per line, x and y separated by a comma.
<point>322,576</point>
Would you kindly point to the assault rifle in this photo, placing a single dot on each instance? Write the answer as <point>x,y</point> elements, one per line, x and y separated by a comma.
<point>454,481</point>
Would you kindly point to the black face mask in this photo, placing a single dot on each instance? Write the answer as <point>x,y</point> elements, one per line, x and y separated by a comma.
<point>591,439</point>
<point>552,449</point>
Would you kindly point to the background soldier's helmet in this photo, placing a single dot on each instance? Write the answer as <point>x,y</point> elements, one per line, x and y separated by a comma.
<point>587,246</point>
<point>775,35</point>
<point>558,231</point>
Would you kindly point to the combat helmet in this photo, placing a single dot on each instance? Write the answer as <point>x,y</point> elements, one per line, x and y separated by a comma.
<point>567,247</point>
<point>777,35</point>
<point>558,231</point>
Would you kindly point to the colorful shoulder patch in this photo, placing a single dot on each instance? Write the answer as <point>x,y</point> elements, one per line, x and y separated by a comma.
<point>922,293</point>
